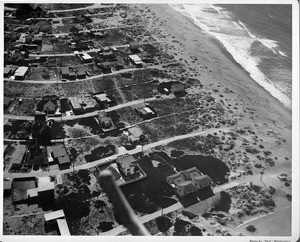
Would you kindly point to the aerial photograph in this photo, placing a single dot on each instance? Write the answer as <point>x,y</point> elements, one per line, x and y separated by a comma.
<point>147,119</point>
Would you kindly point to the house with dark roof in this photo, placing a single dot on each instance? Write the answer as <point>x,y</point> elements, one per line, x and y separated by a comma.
<point>65,72</point>
<point>50,107</point>
<point>60,155</point>
<point>178,89</point>
<point>189,181</point>
<point>185,188</point>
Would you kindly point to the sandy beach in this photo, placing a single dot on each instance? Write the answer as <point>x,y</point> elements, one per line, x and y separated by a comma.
<point>204,113</point>
<point>209,62</point>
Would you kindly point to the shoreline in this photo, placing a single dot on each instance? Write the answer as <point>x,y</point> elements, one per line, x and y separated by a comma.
<point>227,54</point>
<point>207,60</point>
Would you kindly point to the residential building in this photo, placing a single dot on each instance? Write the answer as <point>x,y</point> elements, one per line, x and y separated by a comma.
<point>135,134</point>
<point>136,60</point>
<point>77,108</point>
<point>202,181</point>
<point>134,47</point>
<point>126,164</point>
<point>65,72</point>
<point>21,73</point>
<point>189,181</point>
<point>43,193</point>
<point>7,71</point>
<point>103,99</point>
<point>146,112</point>
<point>50,107</point>
<point>18,156</point>
<point>56,223</point>
<point>85,58</point>
<point>106,67</point>
<point>61,156</point>
<point>178,89</point>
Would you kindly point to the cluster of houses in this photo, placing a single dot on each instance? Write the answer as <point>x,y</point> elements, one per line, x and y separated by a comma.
<point>189,181</point>
<point>40,191</point>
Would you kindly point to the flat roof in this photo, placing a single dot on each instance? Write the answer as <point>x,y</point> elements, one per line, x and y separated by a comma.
<point>74,102</point>
<point>135,131</point>
<point>54,215</point>
<point>135,58</point>
<point>32,192</point>
<point>148,110</point>
<point>102,97</point>
<point>21,71</point>
<point>59,150</point>
<point>86,56</point>
<point>63,226</point>
<point>125,160</point>
<point>7,69</point>
<point>17,155</point>
<point>65,70</point>
<point>63,160</point>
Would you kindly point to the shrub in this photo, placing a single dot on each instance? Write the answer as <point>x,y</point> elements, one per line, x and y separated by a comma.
<point>163,223</point>
<point>251,228</point>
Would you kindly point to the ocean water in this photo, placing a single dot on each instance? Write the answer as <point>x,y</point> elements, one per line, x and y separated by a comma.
<point>258,36</point>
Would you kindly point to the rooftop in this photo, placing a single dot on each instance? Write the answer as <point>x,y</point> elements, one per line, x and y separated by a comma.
<point>135,131</point>
<point>17,155</point>
<point>63,226</point>
<point>59,150</point>
<point>54,215</point>
<point>21,71</point>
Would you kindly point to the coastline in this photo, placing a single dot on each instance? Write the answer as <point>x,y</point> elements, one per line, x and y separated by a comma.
<point>230,57</point>
<point>208,60</point>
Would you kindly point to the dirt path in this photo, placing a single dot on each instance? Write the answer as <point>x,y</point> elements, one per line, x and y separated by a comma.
<point>58,119</point>
<point>121,151</point>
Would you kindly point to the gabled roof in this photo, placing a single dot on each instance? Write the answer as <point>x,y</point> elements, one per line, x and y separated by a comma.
<point>49,106</point>
<point>135,131</point>
<point>177,178</point>
<point>202,180</point>
<point>191,173</point>
<point>187,186</point>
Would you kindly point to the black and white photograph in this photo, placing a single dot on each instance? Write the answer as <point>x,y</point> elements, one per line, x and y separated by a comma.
<point>150,119</point>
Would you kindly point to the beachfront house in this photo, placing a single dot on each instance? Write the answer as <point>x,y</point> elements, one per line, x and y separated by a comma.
<point>189,181</point>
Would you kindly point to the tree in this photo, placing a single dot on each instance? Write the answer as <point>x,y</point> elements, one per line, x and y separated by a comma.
<point>163,223</point>
<point>251,228</point>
